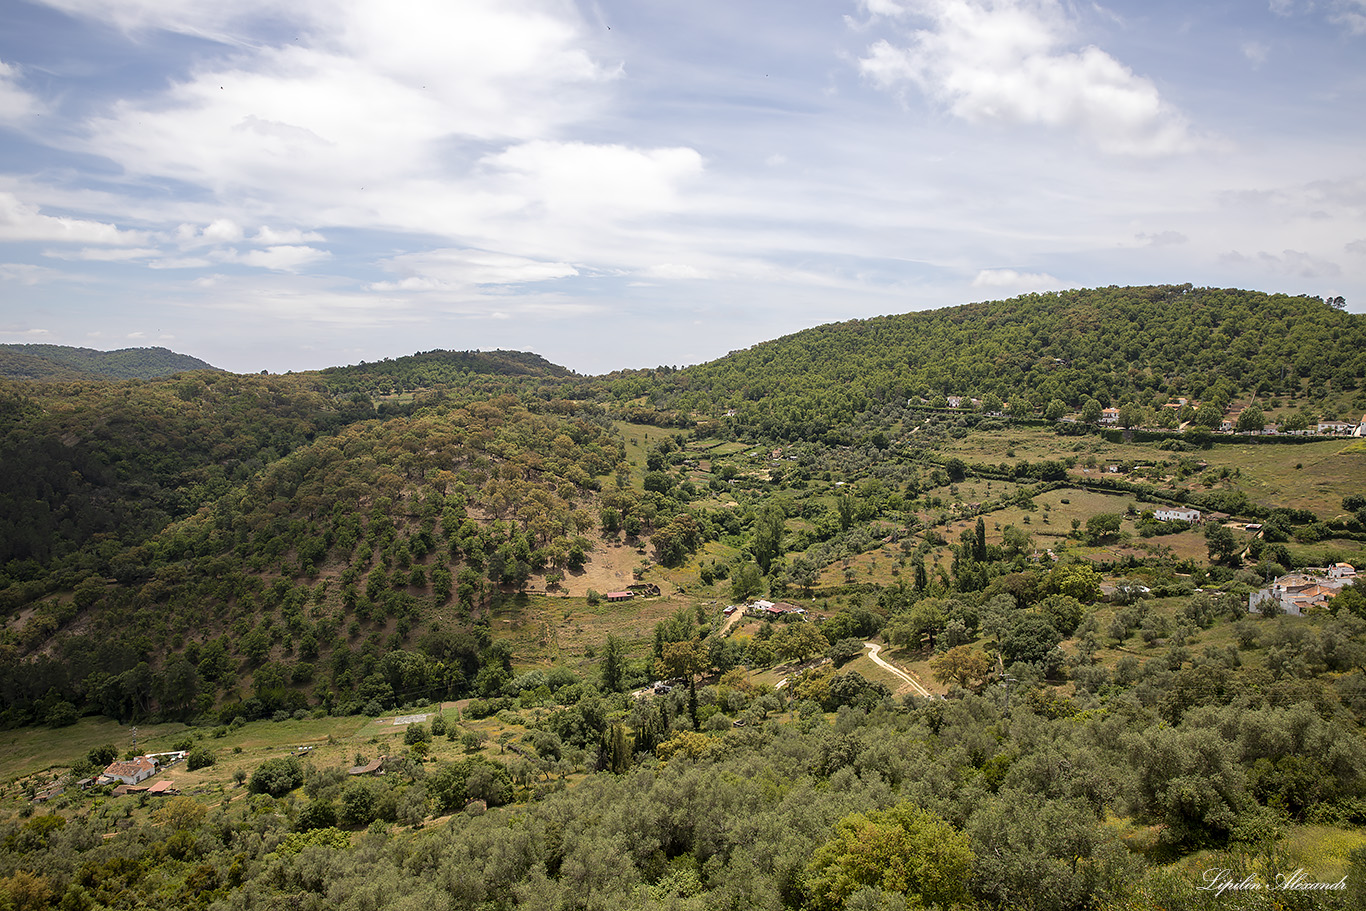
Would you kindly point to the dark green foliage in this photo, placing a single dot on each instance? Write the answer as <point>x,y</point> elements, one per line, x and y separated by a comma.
<point>1221,542</point>
<point>850,812</point>
<point>903,850</point>
<point>1031,638</point>
<point>852,689</point>
<point>845,650</point>
<point>51,363</point>
<point>613,666</point>
<point>768,536</point>
<point>316,814</point>
<point>746,582</point>
<point>1062,348</point>
<point>199,758</point>
<point>1102,527</point>
<point>359,806</point>
<point>454,784</point>
<point>103,755</point>
<point>277,777</point>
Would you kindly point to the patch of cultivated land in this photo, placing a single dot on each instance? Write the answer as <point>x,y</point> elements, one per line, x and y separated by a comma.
<point>1313,476</point>
<point>608,569</point>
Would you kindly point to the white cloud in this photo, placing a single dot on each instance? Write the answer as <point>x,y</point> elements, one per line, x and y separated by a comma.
<point>443,270</point>
<point>1008,61</point>
<point>181,262</point>
<point>282,258</point>
<point>104,254</point>
<point>1300,264</point>
<point>673,272</point>
<point>371,92</point>
<point>425,118</point>
<point>1018,281</point>
<point>16,105</point>
<point>208,20</point>
<point>221,231</point>
<point>283,246</point>
<point>20,221</point>
<point>1351,14</point>
<point>579,178</point>
<point>1256,52</point>
<point>268,235</point>
<point>28,274</point>
<point>279,258</point>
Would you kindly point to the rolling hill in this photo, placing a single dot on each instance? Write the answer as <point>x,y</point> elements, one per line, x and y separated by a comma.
<point>52,363</point>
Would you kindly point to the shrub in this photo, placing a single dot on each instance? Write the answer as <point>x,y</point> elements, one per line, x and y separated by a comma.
<point>358,805</point>
<point>845,650</point>
<point>277,777</point>
<point>199,758</point>
<point>317,814</point>
<point>103,755</point>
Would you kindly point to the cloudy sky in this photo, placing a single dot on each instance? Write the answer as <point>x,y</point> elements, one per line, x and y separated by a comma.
<point>627,183</point>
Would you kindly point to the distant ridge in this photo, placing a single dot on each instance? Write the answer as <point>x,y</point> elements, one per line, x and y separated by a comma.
<point>49,363</point>
<point>441,364</point>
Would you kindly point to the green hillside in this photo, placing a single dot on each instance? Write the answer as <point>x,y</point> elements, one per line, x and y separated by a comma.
<point>990,675</point>
<point>1116,345</point>
<point>61,363</point>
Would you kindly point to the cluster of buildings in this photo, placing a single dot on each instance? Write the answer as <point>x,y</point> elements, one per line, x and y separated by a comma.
<point>130,773</point>
<point>1297,593</point>
<point>127,775</point>
<point>768,609</point>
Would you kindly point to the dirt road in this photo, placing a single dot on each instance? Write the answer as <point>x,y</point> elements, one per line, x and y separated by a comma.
<point>874,648</point>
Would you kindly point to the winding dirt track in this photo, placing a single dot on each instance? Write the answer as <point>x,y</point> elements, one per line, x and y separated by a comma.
<point>874,648</point>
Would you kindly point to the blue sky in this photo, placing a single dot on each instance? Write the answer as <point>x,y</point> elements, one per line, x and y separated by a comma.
<point>627,183</point>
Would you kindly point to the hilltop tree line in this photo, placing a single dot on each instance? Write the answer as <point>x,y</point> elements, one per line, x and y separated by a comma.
<point>1115,346</point>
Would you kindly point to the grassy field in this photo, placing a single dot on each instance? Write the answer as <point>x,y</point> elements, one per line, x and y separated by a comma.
<point>1313,476</point>
<point>25,751</point>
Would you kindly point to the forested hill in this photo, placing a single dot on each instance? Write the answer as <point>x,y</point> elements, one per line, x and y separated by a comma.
<point>1112,344</point>
<point>81,460</point>
<point>430,369</point>
<point>61,363</point>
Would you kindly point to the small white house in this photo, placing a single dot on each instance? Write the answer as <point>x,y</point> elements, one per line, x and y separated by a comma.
<point>1173,514</point>
<point>131,771</point>
<point>1342,571</point>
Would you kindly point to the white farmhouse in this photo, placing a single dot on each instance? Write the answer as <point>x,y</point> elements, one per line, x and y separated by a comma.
<point>1174,514</point>
<point>131,771</point>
